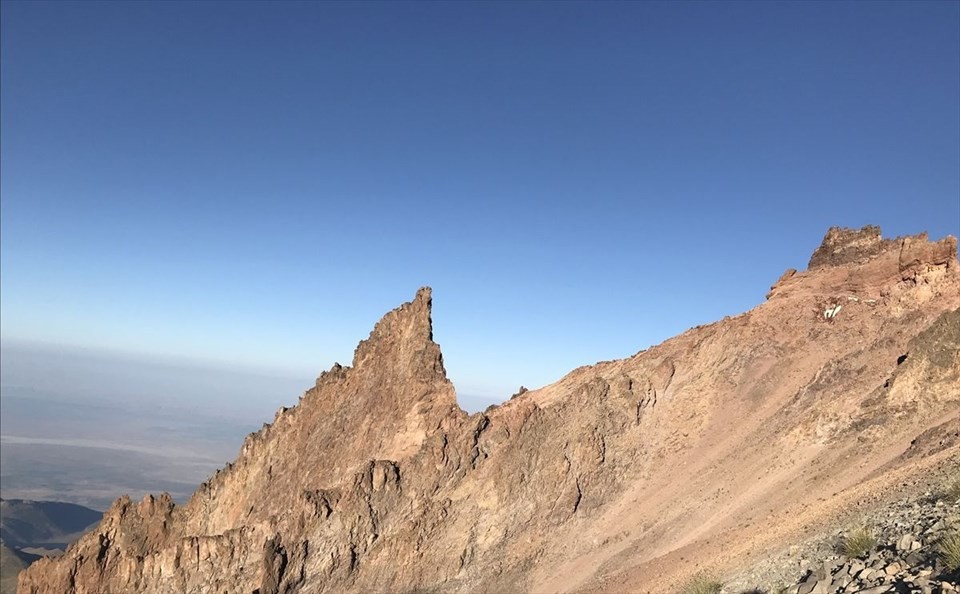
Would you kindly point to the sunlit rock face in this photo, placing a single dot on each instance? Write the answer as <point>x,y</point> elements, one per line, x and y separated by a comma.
<point>626,475</point>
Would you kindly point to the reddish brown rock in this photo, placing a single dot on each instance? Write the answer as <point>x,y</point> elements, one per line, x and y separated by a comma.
<point>787,275</point>
<point>627,475</point>
<point>917,252</point>
<point>849,246</point>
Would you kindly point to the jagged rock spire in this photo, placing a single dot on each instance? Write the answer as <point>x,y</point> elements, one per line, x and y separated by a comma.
<point>403,340</point>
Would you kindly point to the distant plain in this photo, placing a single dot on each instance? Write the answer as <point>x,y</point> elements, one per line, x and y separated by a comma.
<point>88,427</point>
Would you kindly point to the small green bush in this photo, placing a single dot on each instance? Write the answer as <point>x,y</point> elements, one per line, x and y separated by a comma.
<point>703,583</point>
<point>858,543</point>
<point>950,550</point>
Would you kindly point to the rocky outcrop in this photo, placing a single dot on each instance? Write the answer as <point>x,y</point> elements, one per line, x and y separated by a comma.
<point>622,476</point>
<point>842,246</point>
<point>918,252</point>
<point>862,263</point>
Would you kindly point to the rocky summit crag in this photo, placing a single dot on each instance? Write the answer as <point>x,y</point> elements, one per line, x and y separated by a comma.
<point>708,453</point>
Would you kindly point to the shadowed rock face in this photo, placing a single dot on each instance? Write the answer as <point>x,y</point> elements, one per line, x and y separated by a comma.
<point>850,246</point>
<point>847,246</point>
<point>625,475</point>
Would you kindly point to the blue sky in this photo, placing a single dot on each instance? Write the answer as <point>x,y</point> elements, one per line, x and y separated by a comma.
<point>257,183</point>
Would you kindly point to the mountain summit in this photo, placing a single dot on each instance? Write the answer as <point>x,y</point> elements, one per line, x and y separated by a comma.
<point>711,450</point>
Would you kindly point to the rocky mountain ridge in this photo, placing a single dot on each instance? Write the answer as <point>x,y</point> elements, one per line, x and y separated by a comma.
<point>623,476</point>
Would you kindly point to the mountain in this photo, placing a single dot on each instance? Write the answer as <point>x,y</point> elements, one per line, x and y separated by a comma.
<point>12,562</point>
<point>43,524</point>
<point>37,526</point>
<point>714,450</point>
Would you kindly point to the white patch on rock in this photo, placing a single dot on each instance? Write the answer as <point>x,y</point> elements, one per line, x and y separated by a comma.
<point>831,312</point>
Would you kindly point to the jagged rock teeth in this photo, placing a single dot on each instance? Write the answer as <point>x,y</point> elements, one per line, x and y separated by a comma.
<point>842,246</point>
<point>848,246</point>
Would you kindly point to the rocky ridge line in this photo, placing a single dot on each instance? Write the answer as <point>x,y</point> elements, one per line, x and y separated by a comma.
<point>602,481</point>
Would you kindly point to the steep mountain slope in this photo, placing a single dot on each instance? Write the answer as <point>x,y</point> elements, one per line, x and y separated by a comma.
<point>713,448</point>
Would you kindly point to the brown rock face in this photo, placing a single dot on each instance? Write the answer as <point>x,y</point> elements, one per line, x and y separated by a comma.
<point>850,246</point>
<point>622,476</point>
<point>847,246</point>
<point>917,252</point>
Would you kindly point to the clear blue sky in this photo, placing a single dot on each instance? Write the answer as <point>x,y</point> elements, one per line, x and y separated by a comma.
<point>257,183</point>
